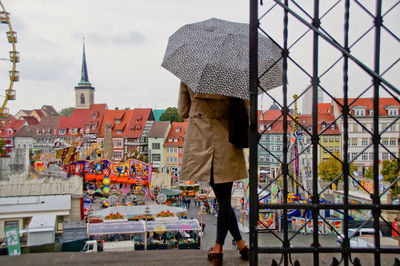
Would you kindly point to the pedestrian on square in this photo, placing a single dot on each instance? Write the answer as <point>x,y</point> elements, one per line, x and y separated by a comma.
<point>208,156</point>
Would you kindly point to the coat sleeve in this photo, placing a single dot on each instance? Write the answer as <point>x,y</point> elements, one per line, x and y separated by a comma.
<point>183,101</point>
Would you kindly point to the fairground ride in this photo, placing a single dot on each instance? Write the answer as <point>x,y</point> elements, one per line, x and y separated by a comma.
<point>13,58</point>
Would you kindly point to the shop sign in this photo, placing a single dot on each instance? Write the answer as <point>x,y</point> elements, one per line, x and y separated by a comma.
<point>13,241</point>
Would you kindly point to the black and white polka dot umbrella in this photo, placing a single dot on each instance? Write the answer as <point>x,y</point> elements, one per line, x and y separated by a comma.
<point>212,57</point>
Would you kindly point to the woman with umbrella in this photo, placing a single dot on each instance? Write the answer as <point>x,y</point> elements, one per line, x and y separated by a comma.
<point>211,59</point>
<point>208,156</point>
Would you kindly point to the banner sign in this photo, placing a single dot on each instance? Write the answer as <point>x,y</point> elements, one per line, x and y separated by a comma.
<point>13,241</point>
<point>323,227</point>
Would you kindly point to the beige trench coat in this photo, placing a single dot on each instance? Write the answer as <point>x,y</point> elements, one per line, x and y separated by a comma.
<point>206,142</point>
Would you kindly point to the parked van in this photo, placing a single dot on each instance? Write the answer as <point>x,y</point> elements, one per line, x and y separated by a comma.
<point>358,238</point>
<point>92,246</point>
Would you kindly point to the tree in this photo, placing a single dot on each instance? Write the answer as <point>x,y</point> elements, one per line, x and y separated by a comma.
<point>332,168</point>
<point>67,111</point>
<point>390,173</point>
<point>3,151</point>
<point>369,173</point>
<point>171,114</point>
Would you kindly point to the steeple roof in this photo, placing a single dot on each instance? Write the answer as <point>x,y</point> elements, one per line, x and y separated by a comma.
<point>84,72</point>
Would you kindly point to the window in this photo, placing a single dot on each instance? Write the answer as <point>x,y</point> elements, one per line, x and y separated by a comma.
<point>330,149</point>
<point>371,156</point>
<point>272,147</point>
<point>175,140</point>
<point>330,138</point>
<point>172,150</point>
<point>177,129</point>
<point>385,156</point>
<point>393,141</point>
<point>117,121</point>
<point>384,126</point>
<point>171,159</point>
<point>393,112</point>
<point>364,142</point>
<point>272,138</point>
<point>371,112</point>
<point>337,138</point>
<point>268,127</point>
<point>261,158</point>
<point>61,131</point>
<point>82,98</point>
<point>119,131</point>
<point>12,223</point>
<point>94,116</point>
<point>278,147</point>
<point>267,158</point>
<point>337,149</point>
<point>156,157</point>
<point>323,125</point>
<point>354,142</point>
<point>325,138</point>
<point>333,126</point>
<point>155,146</point>
<point>353,155</point>
<point>365,156</point>
<point>261,127</point>
<point>181,150</point>
<point>385,141</point>
<point>355,128</point>
<point>393,128</point>
<point>279,138</point>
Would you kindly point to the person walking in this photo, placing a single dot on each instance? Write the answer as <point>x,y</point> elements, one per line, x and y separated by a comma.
<point>208,156</point>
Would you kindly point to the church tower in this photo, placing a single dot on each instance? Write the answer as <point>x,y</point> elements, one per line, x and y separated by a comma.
<point>84,92</point>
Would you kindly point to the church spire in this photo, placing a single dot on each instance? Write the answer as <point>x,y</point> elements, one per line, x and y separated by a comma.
<point>84,72</point>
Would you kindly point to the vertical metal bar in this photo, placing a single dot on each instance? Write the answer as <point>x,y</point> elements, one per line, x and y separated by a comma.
<point>285,110</point>
<point>376,137</point>
<point>346,159</point>
<point>253,89</point>
<point>315,83</point>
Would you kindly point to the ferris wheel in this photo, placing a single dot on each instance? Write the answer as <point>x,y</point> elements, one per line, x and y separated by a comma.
<point>13,58</point>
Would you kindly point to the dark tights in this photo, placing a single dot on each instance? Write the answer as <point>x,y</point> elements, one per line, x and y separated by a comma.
<point>226,217</point>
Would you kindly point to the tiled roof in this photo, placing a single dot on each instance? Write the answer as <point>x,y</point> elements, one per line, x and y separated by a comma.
<point>324,108</point>
<point>10,129</point>
<point>368,104</point>
<point>158,129</point>
<point>124,117</point>
<point>138,121</point>
<point>31,120</point>
<point>75,121</point>
<point>176,134</point>
<point>94,117</point>
<point>28,131</point>
<point>50,110</point>
<point>39,113</point>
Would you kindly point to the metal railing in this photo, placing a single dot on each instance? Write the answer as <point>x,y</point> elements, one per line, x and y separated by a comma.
<point>315,27</point>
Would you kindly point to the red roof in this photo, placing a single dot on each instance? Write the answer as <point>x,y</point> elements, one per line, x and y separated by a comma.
<point>368,104</point>
<point>118,120</point>
<point>95,117</point>
<point>75,121</point>
<point>176,134</point>
<point>31,120</point>
<point>137,122</point>
<point>10,129</point>
<point>271,115</point>
<point>324,108</point>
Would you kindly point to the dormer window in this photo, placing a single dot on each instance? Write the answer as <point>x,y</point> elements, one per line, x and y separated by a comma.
<point>393,111</point>
<point>371,112</point>
<point>175,140</point>
<point>268,127</point>
<point>94,116</point>
<point>10,131</point>
<point>119,131</point>
<point>323,125</point>
<point>262,127</point>
<point>117,121</point>
<point>177,129</point>
<point>359,110</point>
<point>169,140</point>
<point>333,126</point>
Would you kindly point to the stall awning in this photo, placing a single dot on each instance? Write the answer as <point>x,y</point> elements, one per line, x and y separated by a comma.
<point>132,181</point>
<point>114,178</point>
<point>99,177</point>
<point>122,179</point>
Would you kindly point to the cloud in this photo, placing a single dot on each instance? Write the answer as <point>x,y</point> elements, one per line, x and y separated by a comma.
<point>44,69</point>
<point>133,37</point>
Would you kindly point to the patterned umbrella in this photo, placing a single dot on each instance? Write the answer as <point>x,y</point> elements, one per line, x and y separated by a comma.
<point>212,57</point>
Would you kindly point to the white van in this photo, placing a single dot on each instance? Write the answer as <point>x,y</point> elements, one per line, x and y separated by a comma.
<point>360,238</point>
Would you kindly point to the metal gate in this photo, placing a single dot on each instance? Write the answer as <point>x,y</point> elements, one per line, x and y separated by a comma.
<point>345,50</point>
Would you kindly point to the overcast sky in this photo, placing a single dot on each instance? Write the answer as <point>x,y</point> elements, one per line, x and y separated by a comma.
<point>125,43</point>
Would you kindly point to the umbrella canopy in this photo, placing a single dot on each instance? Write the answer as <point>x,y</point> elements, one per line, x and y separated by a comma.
<point>212,57</point>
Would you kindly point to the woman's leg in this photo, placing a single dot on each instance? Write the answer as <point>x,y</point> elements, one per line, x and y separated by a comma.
<point>226,217</point>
